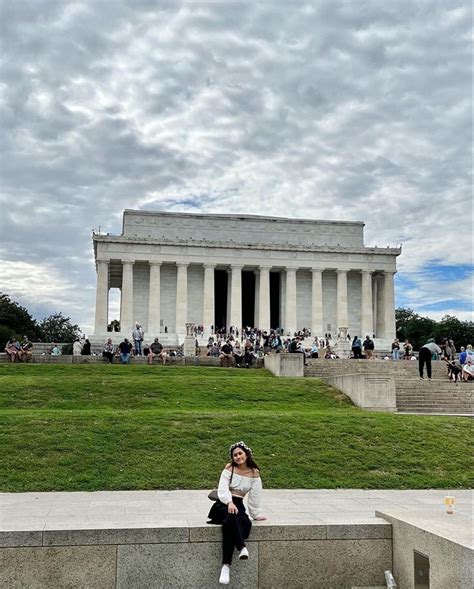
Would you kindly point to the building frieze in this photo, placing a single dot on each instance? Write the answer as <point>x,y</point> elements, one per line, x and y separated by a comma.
<point>185,246</point>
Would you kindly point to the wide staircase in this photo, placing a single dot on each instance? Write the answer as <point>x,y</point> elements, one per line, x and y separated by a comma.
<point>412,395</point>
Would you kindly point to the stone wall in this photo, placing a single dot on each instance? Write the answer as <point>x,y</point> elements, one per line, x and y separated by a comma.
<point>281,556</point>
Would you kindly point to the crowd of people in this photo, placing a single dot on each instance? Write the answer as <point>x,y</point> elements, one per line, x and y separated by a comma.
<point>240,348</point>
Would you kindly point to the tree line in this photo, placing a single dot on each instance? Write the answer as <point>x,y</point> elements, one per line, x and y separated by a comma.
<point>420,329</point>
<point>16,320</point>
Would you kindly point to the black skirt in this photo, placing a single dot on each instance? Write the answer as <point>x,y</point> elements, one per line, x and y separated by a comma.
<point>219,515</point>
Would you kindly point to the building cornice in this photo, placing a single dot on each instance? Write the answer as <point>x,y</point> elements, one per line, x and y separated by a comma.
<point>229,244</point>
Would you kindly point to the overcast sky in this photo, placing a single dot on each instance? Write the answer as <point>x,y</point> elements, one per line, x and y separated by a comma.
<point>345,110</point>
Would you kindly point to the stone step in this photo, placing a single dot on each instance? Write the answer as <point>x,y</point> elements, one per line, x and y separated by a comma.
<point>415,409</point>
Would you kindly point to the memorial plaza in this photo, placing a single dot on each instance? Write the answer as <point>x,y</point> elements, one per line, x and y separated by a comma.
<point>154,429</point>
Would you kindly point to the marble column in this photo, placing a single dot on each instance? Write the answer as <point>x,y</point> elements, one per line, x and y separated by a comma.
<point>256,315</point>
<point>154,301</point>
<point>208,303</point>
<point>367,317</point>
<point>282,299</point>
<point>181,298</point>
<point>290,311</point>
<point>264,299</point>
<point>126,304</point>
<point>236,297</point>
<point>389,330</point>
<point>102,298</point>
<point>375,312</point>
<point>317,303</point>
<point>341,297</point>
<point>229,297</point>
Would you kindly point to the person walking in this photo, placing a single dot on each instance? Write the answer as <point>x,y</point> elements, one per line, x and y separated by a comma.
<point>424,357</point>
<point>241,476</point>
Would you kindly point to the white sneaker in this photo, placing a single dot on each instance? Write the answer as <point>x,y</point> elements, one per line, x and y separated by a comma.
<point>224,579</point>
<point>244,554</point>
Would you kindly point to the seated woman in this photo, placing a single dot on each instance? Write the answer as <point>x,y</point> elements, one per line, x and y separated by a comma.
<point>468,371</point>
<point>56,350</point>
<point>109,351</point>
<point>239,477</point>
<point>238,354</point>
<point>12,350</point>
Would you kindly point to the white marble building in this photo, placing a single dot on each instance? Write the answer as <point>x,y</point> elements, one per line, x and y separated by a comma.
<point>223,270</point>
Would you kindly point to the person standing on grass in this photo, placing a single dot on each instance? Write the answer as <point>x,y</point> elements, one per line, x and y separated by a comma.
<point>241,476</point>
<point>424,357</point>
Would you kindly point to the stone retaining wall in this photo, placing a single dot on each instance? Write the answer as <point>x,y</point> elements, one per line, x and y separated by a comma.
<point>173,360</point>
<point>316,556</point>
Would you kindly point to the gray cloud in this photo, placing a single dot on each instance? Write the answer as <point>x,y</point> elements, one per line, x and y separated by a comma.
<point>321,109</point>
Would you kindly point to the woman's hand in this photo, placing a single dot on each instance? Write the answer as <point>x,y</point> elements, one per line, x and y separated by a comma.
<point>231,508</point>
<point>260,518</point>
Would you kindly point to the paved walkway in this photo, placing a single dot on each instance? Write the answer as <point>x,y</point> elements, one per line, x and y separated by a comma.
<point>154,509</point>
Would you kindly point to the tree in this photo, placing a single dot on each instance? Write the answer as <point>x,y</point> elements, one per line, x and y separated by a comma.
<point>412,326</point>
<point>57,328</point>
<point>114,325</point>
<point>15,319</point>
<point>461,332</point>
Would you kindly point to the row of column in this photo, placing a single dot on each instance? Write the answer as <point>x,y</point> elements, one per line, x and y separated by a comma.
<point>368,308</point>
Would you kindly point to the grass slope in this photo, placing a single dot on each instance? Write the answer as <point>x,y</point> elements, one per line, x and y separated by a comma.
<point>137,427</point>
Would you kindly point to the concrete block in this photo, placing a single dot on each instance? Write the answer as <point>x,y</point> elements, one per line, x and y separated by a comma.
<point>91,567</point>
<point>374,393</point>
<point>285,364</point>
<point>78,537</point>
<point>442,538</point>
<point>187,566</point>
<point>321,564</point>
<point>19,538</point>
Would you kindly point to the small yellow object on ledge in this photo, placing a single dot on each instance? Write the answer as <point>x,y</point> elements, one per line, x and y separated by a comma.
<point>449,502</point>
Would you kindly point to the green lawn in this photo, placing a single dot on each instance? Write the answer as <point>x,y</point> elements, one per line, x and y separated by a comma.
<point>137,427</point>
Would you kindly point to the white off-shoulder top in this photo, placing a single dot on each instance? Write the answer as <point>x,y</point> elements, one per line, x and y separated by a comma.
<point>243,485</point>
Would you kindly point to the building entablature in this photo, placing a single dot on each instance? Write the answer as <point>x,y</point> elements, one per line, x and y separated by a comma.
<point>212,245</point>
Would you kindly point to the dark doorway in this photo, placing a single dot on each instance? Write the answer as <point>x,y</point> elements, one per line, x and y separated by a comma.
<point>248,299</point>
<point>274,299</point>
<point>220,298</point>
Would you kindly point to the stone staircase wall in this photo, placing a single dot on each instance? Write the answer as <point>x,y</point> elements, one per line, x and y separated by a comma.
<point>401,368</point>
<point>412,395</point>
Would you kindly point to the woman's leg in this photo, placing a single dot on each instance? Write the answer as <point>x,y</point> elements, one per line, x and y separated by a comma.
<point>233,536</point>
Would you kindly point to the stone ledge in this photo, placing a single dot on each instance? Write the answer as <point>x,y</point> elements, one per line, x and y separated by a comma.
<point>188,534</point>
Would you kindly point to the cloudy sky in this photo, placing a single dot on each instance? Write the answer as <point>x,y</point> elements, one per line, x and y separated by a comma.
<point>327,109</point>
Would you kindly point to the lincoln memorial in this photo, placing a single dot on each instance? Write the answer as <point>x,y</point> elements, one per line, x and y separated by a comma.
<point>234,270</point>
